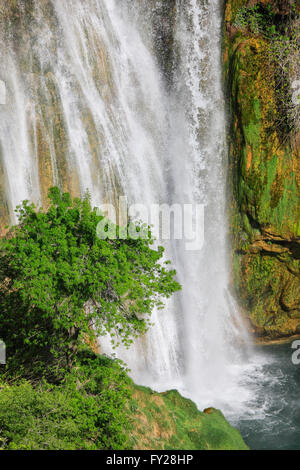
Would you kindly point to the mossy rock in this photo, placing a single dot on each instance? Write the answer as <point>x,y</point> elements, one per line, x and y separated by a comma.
<point>168,421</point>
<point>265,179</point>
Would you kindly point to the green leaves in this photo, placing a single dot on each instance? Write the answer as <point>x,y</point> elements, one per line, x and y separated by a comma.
<point>57,276</point>
<point>85,412</point>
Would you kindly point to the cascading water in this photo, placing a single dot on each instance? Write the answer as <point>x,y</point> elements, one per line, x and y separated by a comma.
<point>212,327</point>
<point>88,108</point>
<point>195,344</point>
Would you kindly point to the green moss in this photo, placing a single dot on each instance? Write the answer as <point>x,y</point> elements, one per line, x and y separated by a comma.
<point>169,421</point>
<point>265,211</point>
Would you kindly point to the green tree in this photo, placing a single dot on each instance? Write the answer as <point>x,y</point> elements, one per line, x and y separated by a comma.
<point>60,283</point>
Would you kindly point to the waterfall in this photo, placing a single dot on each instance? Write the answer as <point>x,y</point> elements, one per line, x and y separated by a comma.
<point>89,107</point>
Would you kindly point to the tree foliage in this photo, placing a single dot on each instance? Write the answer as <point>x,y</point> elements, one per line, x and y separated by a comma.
<point>59,282</point>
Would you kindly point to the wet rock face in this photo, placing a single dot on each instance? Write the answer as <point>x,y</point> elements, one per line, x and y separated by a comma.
<point>29,34</point>
<point>159,17</point>
<point>163,20</point>
<point>265,170</point>
<point>39,71</point>
<point>37,68</point>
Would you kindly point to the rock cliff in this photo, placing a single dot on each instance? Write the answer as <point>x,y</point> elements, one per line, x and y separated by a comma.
<point>261,70</point>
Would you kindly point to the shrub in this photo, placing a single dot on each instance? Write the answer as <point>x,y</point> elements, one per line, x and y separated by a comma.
<point>84,412</point>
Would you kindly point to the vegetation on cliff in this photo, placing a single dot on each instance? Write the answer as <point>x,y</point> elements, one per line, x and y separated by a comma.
<point>261,61</point>
<point>83,410</point>
<point>169,421</point>
<point>61,284</point>
<point>97,407</point>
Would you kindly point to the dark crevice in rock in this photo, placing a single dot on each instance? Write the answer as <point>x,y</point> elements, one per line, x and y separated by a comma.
<point>254,224</point>
<point>163,17</point>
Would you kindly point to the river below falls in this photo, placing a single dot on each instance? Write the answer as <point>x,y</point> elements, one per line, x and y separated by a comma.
<point>272,416</point>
